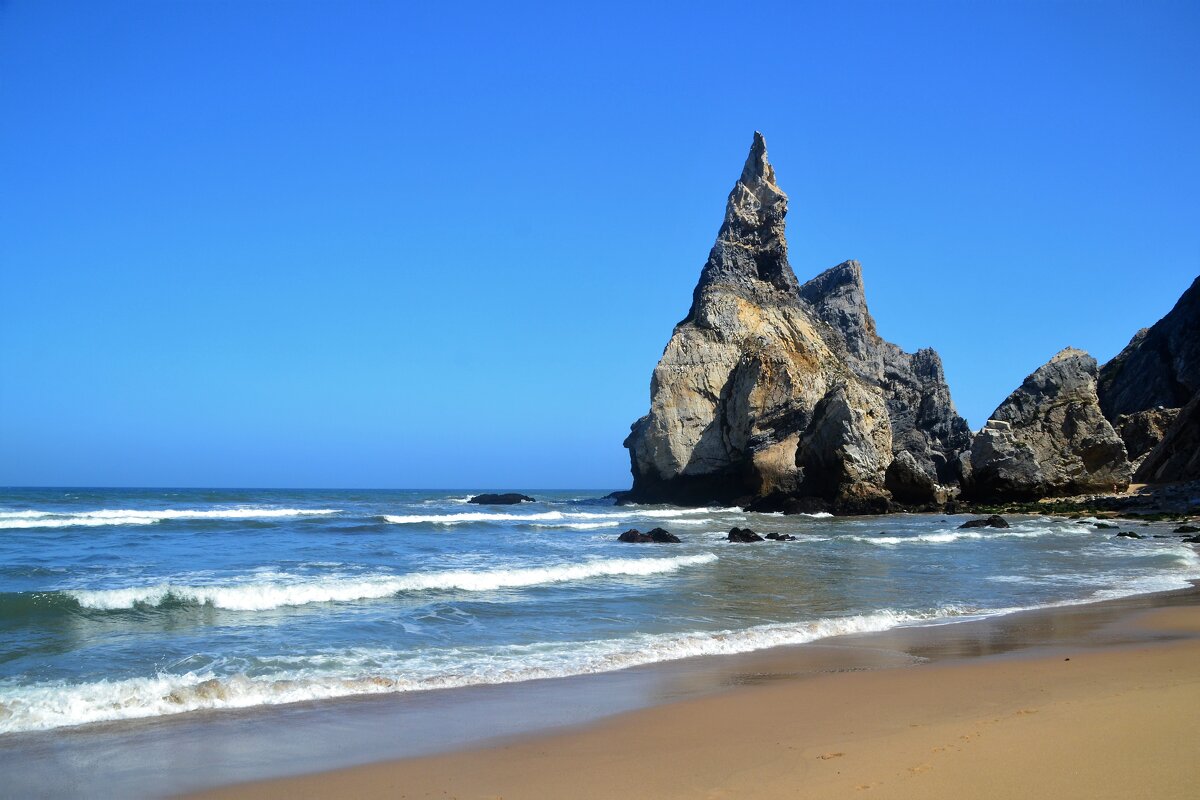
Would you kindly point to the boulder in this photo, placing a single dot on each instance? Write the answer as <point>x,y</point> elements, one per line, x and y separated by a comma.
<point>1192,540</point>
<point>656,536</point>
<point>908,482</point>
<point>1049,438</point>
<point>994,521</point>
<point>743,535</point>
<point>1128,535</point>
<point>781,537</point>
<point>507,499</point>
<point>1186,529</point>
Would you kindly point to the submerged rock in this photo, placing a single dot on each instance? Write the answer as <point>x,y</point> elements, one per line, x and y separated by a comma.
<point>1128,535</point>
<point>656,536</point>
<point>507,499</point>
<point>1186,529</point>
<point>781,537</point>
<point>743,535</point>
<point>994,521</point>
<point>1049,438</point>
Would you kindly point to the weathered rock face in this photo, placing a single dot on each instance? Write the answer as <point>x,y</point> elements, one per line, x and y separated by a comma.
<point>1160,366</point>
<point>1049,438</point>
<point>770,390</point>
<point>1177,456</point>
<point>1142,431</point>
<point>736,387</point>
<point>923,419</point>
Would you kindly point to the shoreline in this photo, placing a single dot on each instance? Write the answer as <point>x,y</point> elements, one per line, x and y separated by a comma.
<point>705,721</point>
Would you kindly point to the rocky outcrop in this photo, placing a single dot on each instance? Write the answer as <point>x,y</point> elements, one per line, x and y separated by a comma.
<point>924,422</point>
<point>506,499</point>
<point>1177,456</point>
<point>771,393</point>
<point>1142,431</point>
<point>1160,366</point>
<point>1049,438</point>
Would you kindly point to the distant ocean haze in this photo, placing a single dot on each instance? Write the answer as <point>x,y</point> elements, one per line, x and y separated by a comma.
<point>122,604</point>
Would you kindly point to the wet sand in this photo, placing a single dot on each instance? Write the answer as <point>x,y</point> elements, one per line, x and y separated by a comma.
<point>1099,700</point>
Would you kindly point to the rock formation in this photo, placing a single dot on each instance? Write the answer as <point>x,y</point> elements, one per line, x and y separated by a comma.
<point>1049,438</point>
<point>1143,430</point>
<point>772,391</point>
<point>923,419</point>
<point>1160,366</point>
<point>1177,456</point>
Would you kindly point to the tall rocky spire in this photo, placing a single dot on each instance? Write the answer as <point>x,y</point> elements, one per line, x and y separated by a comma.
<point>750,254</point>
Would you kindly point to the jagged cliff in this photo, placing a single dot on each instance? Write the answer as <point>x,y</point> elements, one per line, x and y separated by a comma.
<point>769,391</point>
<point>782,396</point>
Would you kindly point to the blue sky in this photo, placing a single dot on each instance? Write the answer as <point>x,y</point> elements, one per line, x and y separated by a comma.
<point>373,245</point>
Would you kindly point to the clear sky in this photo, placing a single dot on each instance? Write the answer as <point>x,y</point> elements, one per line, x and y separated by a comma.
<point>443,244</point>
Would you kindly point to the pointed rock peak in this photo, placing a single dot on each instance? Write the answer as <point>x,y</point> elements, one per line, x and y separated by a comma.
<point>758,169</point>
<point>756,208</point>
<point>750,254</point>
<point>1069,353</point>
<point>844,279</point>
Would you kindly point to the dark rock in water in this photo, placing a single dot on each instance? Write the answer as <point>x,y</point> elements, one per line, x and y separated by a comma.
<point>994,521</point>
<point>507,499</point>
<point>1129,535</point>
<point>772,390</point>
<point>1177,456</point>
<point>1106,526</point>
<point>1142,431</point>
<point>744,535</point>
<point>1160,366</point>
<point>656,536</point>
<point>1049,438</point>
<point>781,537</point>
<point>660,536</point>
<point>1192,540</point>
<point>621,497</point>
<point>1187,529</point>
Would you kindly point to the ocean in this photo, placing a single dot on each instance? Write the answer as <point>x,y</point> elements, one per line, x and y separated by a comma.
<point>119,604</point>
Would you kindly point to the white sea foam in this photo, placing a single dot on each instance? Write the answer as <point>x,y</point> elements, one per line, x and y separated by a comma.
<point>55,704</point>
<point>554,516</point>
<point>284,590</point>
<point>945,537</point>
<point>105,516</point>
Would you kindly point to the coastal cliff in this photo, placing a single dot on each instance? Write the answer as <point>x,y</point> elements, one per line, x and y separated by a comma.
<point>769,392</point>
<point>782,396</point>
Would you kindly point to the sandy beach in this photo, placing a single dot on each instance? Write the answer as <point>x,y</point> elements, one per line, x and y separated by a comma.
<point>1088,701</point>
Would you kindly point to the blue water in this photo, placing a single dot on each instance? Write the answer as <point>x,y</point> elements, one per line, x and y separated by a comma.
<point>119,604</point>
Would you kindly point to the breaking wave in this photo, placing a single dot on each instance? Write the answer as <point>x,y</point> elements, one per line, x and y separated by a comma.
<point>329,675</point>
<point>298,591</point>
<point>52,519</point>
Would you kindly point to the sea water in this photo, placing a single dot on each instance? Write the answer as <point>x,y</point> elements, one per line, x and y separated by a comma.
<point>126,604</point>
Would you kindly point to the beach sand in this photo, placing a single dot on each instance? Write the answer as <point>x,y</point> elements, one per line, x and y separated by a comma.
<point>1029,707</point>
